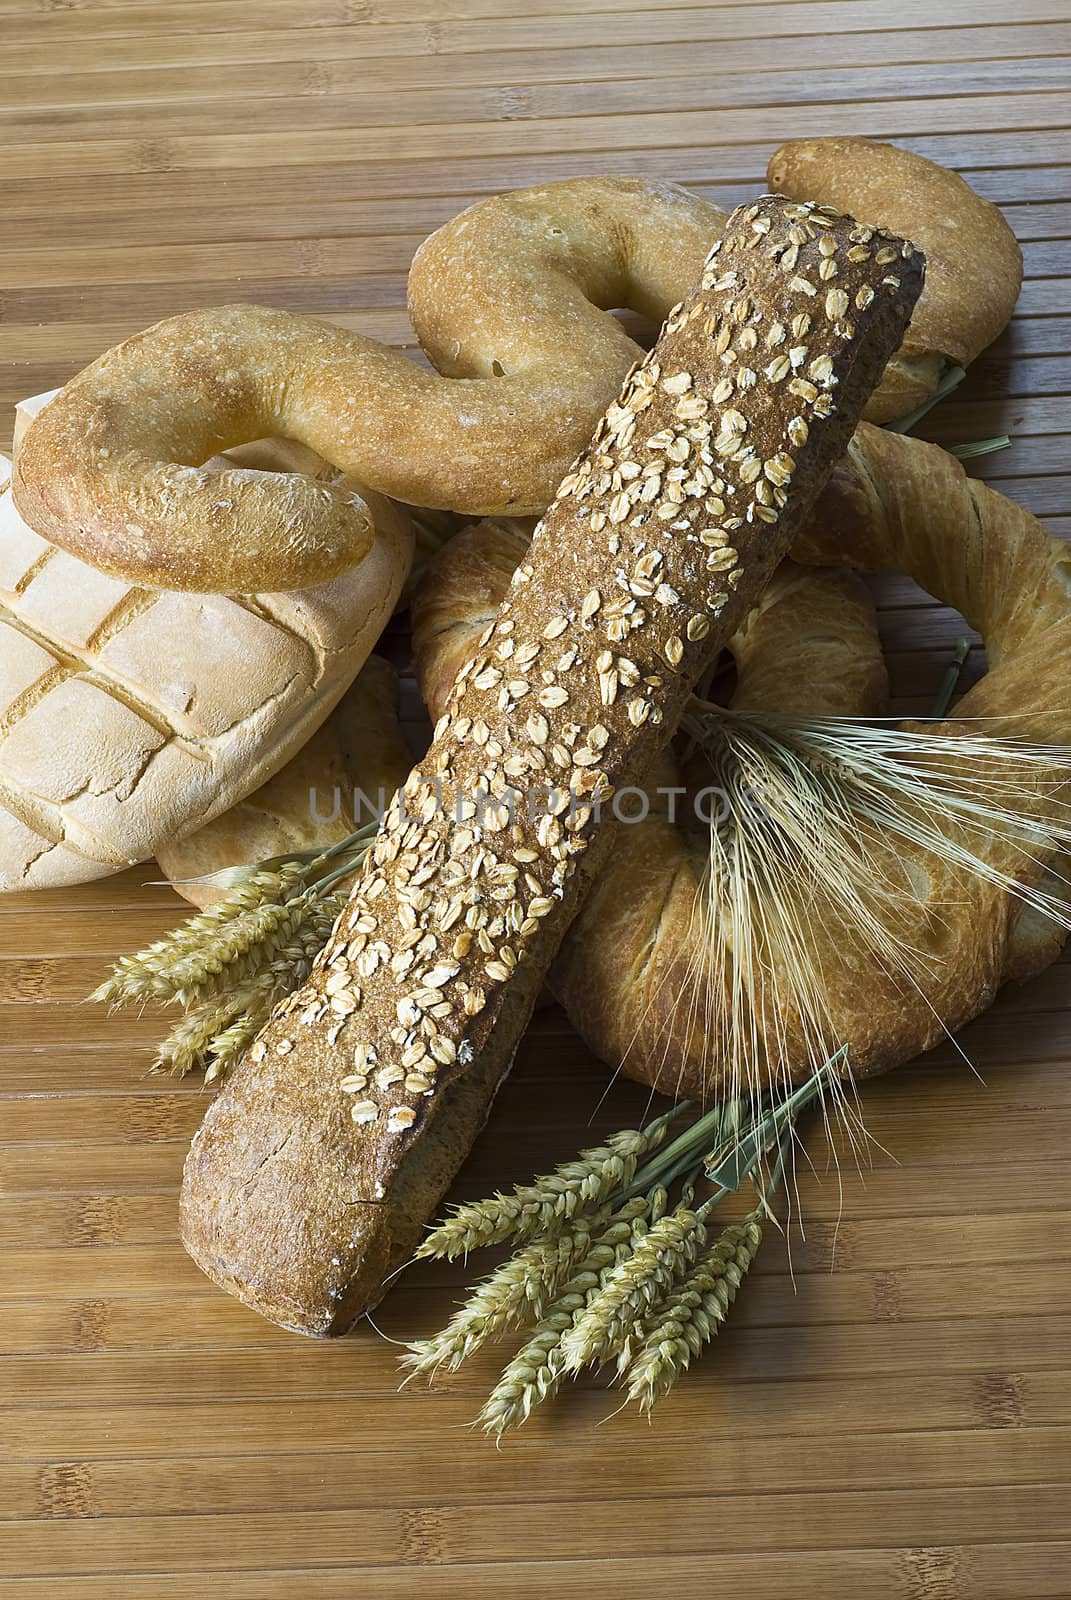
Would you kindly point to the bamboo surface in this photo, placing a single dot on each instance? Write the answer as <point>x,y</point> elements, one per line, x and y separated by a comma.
<point>888,1414</point>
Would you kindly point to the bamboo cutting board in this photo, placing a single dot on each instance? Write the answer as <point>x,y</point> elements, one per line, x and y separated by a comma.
<point>887,1415</point>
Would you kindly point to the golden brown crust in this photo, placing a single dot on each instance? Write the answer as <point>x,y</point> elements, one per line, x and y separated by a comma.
<point>810,648</point>
<point>974,266</point>
<point>507,297</point>
<point>313,801</point>
<point>893,501</point>
<point>463,587</point>
<point>626,595</point>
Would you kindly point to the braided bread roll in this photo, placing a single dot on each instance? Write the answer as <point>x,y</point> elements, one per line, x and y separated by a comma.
<point>508,297</point>
<point>301,1186</point>
<point>894,501</point>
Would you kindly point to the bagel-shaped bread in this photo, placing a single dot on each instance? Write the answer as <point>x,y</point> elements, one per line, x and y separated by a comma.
<point>508,296</point>
<point>974,266</point>
<point>341,779</point>
<point>631,972</point>
<point>511,302</point>
<point>624,967</point>
<point>129,716</point>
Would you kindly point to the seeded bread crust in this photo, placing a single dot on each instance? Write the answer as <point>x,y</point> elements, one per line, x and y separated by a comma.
<point>658,543</point>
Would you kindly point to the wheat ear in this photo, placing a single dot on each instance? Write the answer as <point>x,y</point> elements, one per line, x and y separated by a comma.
<point>216,1030</point>
<point>537,1370</point>
<point>614,1316</point>
<point>150,974</point>
<point>546,1206</point>
<point>677,1330</point>
<point>517,1292</point>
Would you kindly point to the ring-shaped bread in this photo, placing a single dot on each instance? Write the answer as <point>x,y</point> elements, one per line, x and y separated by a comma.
<point>511,302</point>
<point>628,973</point>
<point>974,266</point>
<point>508,298</point>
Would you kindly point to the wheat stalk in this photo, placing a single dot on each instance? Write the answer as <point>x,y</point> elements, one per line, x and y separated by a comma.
<point>191,1041</point>
<point>245,945</point>
<point>536,1372</point>
<point>613,1316</point>
<point>227,967</point>
<point>517,1292</point>
<point>677,1330</point>
<point>217,1029</point>
<point>176,962</point>
<point>626,1255</point>
<point>807,842</point>
<point>546,1205</point>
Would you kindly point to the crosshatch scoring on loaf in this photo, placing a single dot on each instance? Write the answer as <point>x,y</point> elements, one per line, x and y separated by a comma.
<point>131,714</point>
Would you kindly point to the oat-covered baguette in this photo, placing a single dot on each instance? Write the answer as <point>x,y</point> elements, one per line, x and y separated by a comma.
<point>299,1188</point>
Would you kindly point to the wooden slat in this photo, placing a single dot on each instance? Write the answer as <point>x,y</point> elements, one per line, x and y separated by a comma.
<point>468,35</point>
<point>746,1355</point>
<point>51,104</point>
<point>201,1325</point>
<point>886,1414</point>
<point>767,1410</point>
<point>175,262</point>
<point>1030,1569</point>
<point>306,216</point>
<point>470,104</point>
<point>370,1535</point>
<point>189,1485</point>
<point>987,158</point>
<point>657,129</point>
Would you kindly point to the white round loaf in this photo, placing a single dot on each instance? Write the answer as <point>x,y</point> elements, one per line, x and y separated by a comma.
<point>130,716</point>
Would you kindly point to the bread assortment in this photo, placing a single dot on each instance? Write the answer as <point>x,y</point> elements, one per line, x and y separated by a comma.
<point>636,576</point>
<point>508,298</point>
<point>197,554</point>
